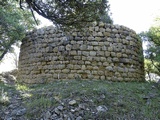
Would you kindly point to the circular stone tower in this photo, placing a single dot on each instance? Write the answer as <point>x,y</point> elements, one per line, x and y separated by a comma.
<point>102,51</point>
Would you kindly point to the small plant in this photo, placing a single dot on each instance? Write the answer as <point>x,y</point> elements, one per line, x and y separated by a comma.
<point>4,97</point>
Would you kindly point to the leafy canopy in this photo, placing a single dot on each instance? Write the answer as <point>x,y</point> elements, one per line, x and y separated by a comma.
<point>13,24</point>
<point>153,38</point>
<point>69,13</point>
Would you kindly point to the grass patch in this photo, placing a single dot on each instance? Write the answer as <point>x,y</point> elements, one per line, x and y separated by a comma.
<point>124,100</point>
<point>4,98</point>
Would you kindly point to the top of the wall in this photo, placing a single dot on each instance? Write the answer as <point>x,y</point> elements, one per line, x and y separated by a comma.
<point>91,28</point>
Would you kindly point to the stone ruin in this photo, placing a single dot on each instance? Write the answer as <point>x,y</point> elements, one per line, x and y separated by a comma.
<point>101,52</point>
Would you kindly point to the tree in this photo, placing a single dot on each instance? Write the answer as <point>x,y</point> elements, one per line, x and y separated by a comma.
<point>153,51</point>
<point>69,13</point>
<point>13,24</point>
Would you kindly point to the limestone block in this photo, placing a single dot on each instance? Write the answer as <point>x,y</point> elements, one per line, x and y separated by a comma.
<point>80,62</point>
<point>73,52</point>
<point>98,38</point>
<point>89,58</point>
<point>73,42</point>
<point>94,43</point>
<point>132,43</point>
<point>94,72</point>
<point>109,68</point>
<point>100,43</point>
<point>96,28</point>
<point>97,48</point>
<point>120,69</point>
<point>89,67</point>
<point>91,28</point>
<point>99,34</point>
<point>94,34</point>
<point>113,54</point>
<point>65,71</point>
<point>102,30</point>
<point>90,76</point>
<point>96,77</point>
<point>85,53</point>
<point>76,67</point>
<point>105,64</point>
<point>107,53</point>
<point>114,30</point>
<point>100,72</point>
<point>99,64</point>
<point>90,48</point>
<point>77,57</point>
<point>110,49</point>
<point>83,67</point>
<point>83,47</point>
<point>90,38</point>
<point>79,52</point>
<point>96,58</point>
<point>109,59</point>
<point>71,76</point>
<point>115,59</point>
<point>95,67</point>
<point>104,48</point>
<point>68,47</point>
<point>100,53</point>
<point>55,49</point>
<point>61,48</point>
<point>101,24</point>
<point>117,74</point>
<point>58,71</point>
<point>129,38</point>
<point>74,34</point>
<point>78,38</point>
<point>119,55</point>
<point>87,62</point>
<point>84,58</point>
<point>61,66</point>
<point>69,66</point>
<point>92,53</point>
<point>108,34</point>
<point>108,30</point>
<point>103,59</point>
<point>125,55</point>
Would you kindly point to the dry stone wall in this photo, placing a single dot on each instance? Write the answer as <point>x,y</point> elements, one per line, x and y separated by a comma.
<point>101,51</point>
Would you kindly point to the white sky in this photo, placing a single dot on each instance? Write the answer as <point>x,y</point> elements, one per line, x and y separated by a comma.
<point>135,14</point>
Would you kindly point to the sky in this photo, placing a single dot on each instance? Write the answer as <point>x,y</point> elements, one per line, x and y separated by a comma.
<point>135,14</point>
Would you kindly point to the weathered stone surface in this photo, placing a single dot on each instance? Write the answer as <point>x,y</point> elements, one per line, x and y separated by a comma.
<point>104,51</point>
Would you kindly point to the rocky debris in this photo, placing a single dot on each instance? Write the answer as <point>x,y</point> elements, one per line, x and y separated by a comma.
<point>102,108</point>
<point>9,77</point>
<point>74,110</point>
<point>15,110</point>
<point>72,102</point>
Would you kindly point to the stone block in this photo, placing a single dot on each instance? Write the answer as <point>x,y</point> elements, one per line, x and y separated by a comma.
<point>68,47</point>
<point>92,53</point>
<point>98,38</point>
<point>99,34</point>
<point>73,52</point>
<point>107,54</point>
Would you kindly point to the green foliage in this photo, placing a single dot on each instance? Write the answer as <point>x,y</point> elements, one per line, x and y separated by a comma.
<point>153,49</point>
<point>13,24</point>
<point>70,13</point>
